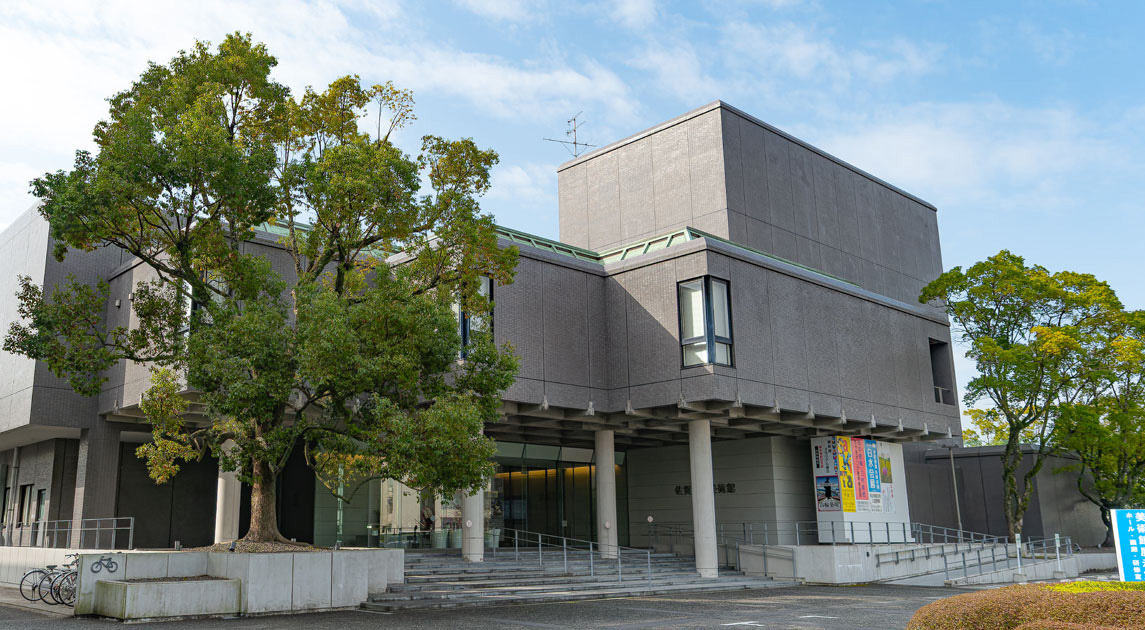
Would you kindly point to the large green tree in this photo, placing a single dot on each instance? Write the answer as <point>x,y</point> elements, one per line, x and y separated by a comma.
<point>1032,335</point>
<point>347,345</point>
<point>1105,428</point>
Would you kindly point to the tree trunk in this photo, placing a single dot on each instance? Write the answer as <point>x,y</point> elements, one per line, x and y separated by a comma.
<point>263,516</point>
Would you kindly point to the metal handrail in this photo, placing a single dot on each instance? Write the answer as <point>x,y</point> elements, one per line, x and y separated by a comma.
<point>1051,548</point>
<point>94,533</point>
<point>538,541</point>
<point>811,532</point>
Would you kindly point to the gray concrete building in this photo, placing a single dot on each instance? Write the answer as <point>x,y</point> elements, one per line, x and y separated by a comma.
<point>721,293</point>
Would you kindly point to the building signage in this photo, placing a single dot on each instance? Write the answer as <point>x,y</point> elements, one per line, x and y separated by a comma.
<point>846,474</point>
<point>1129,543</point>
<point>852,475</point>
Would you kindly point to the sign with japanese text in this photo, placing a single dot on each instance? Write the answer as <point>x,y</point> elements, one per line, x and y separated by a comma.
<point>859,471</point>
<point>1129,543</point>
<point>846,474</point>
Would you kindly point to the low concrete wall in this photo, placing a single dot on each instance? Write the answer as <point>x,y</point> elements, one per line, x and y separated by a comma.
<point>1104,561</point>
<point>1040,570</point>
<point>15,561</point>
<point>136,601</point>
<point>854,564</point>
<point>271,582</point>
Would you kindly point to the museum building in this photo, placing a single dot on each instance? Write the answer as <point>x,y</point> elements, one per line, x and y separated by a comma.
<point>729,320</point>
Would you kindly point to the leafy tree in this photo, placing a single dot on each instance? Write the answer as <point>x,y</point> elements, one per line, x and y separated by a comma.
<point>1106,427</point>
<point>1031,334</point>
<point>346,345</point>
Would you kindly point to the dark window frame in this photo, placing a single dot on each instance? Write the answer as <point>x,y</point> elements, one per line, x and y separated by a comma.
<point>464,326</point>
<point>710,337</point>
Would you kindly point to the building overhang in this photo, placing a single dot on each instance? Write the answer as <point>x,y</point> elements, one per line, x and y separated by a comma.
<point>668,425</point>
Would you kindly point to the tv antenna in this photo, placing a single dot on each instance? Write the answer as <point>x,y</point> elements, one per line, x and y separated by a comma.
<point>574,146</point>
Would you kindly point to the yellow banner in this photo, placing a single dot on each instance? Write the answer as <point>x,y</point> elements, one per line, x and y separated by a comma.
<point>846,475</point>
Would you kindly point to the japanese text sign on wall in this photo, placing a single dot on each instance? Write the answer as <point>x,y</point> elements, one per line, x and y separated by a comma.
<point>1129,542</point>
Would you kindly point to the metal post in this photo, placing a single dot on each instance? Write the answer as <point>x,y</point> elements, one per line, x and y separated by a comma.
<point>565,552</point>
<point>1018,545</point>
<point>957,505</point>
<point>750,534</point>
<point>516,546</point>
<point>540,552</point>
<point>965,568</point>
<point>131,532</point>
<point>888,531</point>
<point>98,535</point>
<point>796,532</point>
<point>852,532</point>
<point>765,538</point>
<point>945,567</point>
<point>649,554</point>
<point>591,571</point>
<point>870,533</point>
<point>619,566</point>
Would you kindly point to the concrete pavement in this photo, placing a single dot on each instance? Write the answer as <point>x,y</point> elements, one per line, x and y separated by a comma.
<point>875,606</point>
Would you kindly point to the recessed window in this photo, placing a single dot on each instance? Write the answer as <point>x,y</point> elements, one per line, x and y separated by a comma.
<point>470,325</point>
<point>942,372</point>
<point>705,321</point>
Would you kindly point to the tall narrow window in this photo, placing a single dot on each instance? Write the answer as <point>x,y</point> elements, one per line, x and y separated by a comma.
<point>942,372</point>
<point>705,321</point>
<point>469,325</point>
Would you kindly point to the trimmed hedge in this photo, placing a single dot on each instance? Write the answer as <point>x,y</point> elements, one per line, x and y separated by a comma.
<point>1069,606</point>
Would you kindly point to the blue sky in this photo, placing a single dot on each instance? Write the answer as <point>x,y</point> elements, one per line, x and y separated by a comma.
<point>1021,121</point>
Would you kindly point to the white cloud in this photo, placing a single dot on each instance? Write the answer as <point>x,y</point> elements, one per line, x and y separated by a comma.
<point>978,153</point>
<point>524,184</point>
<point>503,10</point>
<point>677,69</point>
<point>635,14</point>
<point>790,50</point>
<point>73,55</point>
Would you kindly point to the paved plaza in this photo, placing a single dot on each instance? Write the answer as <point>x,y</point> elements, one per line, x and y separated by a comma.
<point>876,606</point>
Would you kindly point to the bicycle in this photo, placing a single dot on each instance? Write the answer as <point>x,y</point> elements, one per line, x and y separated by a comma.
<point>54,584</point>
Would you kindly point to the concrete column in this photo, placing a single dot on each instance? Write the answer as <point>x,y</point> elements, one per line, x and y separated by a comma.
<point>606,533</point>
<point>97,479</point>
<point>227,503</point>
<point>473,526</point>
<point>703,496</point>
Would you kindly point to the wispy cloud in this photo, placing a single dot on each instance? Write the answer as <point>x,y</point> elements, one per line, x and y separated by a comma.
<point>504,10</point>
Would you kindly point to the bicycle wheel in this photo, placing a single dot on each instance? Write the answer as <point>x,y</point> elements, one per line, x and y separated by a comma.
<point>65,588</point>
<point>45,588</point>
<point>29,584</point>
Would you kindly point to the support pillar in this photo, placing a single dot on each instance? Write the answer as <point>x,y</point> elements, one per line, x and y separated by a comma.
<point>473,526</point>
<point>703,497</point>
<point>606,532</point>
<point>228,499</point>
<point>97,479</point>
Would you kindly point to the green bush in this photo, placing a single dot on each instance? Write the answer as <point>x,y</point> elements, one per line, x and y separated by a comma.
<point>1072,606</point>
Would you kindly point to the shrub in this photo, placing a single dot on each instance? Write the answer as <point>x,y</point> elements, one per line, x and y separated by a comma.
<point>1077,606</point>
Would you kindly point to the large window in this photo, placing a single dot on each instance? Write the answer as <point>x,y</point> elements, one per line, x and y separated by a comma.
<point>470,325</point>
<point>705,321</point>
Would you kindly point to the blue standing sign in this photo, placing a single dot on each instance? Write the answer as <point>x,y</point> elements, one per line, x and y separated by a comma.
<point>1129,543</point>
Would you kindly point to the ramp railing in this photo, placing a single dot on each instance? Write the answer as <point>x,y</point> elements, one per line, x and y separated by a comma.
<point>600,557</point>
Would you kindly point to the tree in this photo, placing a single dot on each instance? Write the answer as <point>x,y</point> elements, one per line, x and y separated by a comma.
<point>1106,428</point>
<point>352,352</point>
<point>1031,334</point>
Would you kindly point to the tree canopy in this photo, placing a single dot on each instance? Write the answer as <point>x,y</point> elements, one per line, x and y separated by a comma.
<point>338,333</point>
<point>1035,337</point>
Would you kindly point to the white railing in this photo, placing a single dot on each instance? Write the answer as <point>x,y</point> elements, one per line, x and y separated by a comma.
<point>117,532</point>
<point>599,556</point>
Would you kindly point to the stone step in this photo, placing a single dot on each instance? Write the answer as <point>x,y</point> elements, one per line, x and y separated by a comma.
<point>525,580</point>
<point>456,591</point>
<point>632,590</point>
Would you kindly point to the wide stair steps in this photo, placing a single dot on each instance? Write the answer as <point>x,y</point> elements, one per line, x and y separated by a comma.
<point>440,580</point>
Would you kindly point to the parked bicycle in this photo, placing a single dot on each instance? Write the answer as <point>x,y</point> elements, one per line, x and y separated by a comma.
<point>54,584</point>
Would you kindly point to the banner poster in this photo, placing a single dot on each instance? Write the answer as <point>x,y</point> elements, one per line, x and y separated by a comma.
<point>874,479</point>
<point>824,459</point>
<point>827,494</point>
<point>859,470</point>
<point>1129,543</point>
<point>846,476</point>
<point>886,478</point>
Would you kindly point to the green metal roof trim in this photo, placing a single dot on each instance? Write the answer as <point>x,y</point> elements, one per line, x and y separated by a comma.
<point>641,248</point>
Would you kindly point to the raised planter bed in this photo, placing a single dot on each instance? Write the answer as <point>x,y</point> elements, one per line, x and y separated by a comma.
<point>267,582</point>
<point>167,598</point>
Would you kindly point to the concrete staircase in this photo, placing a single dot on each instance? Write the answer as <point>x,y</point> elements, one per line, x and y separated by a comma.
<point>444,580</point>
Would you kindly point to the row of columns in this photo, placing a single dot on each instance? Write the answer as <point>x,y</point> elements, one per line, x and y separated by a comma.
<point>703,501</point>
<point>473,505</point>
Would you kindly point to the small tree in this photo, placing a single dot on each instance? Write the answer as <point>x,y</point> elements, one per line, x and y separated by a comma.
<point>1031,335</point>
<point>349,350</point>
<point>1106,428</point>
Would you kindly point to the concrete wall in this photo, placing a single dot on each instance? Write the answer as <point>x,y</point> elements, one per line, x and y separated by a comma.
<point>772,479</point>
<point>725,172</point>
<point>24,248</point>
<point>1056,506</point>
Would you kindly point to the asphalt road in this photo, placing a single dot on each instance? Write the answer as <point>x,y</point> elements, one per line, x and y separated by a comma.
<point>876,606</point>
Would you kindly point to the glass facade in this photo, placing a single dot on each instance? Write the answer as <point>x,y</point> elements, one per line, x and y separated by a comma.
<point>545,489</point>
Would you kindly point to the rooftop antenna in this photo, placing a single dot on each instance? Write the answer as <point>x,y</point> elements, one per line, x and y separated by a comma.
<point>574,146</point>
